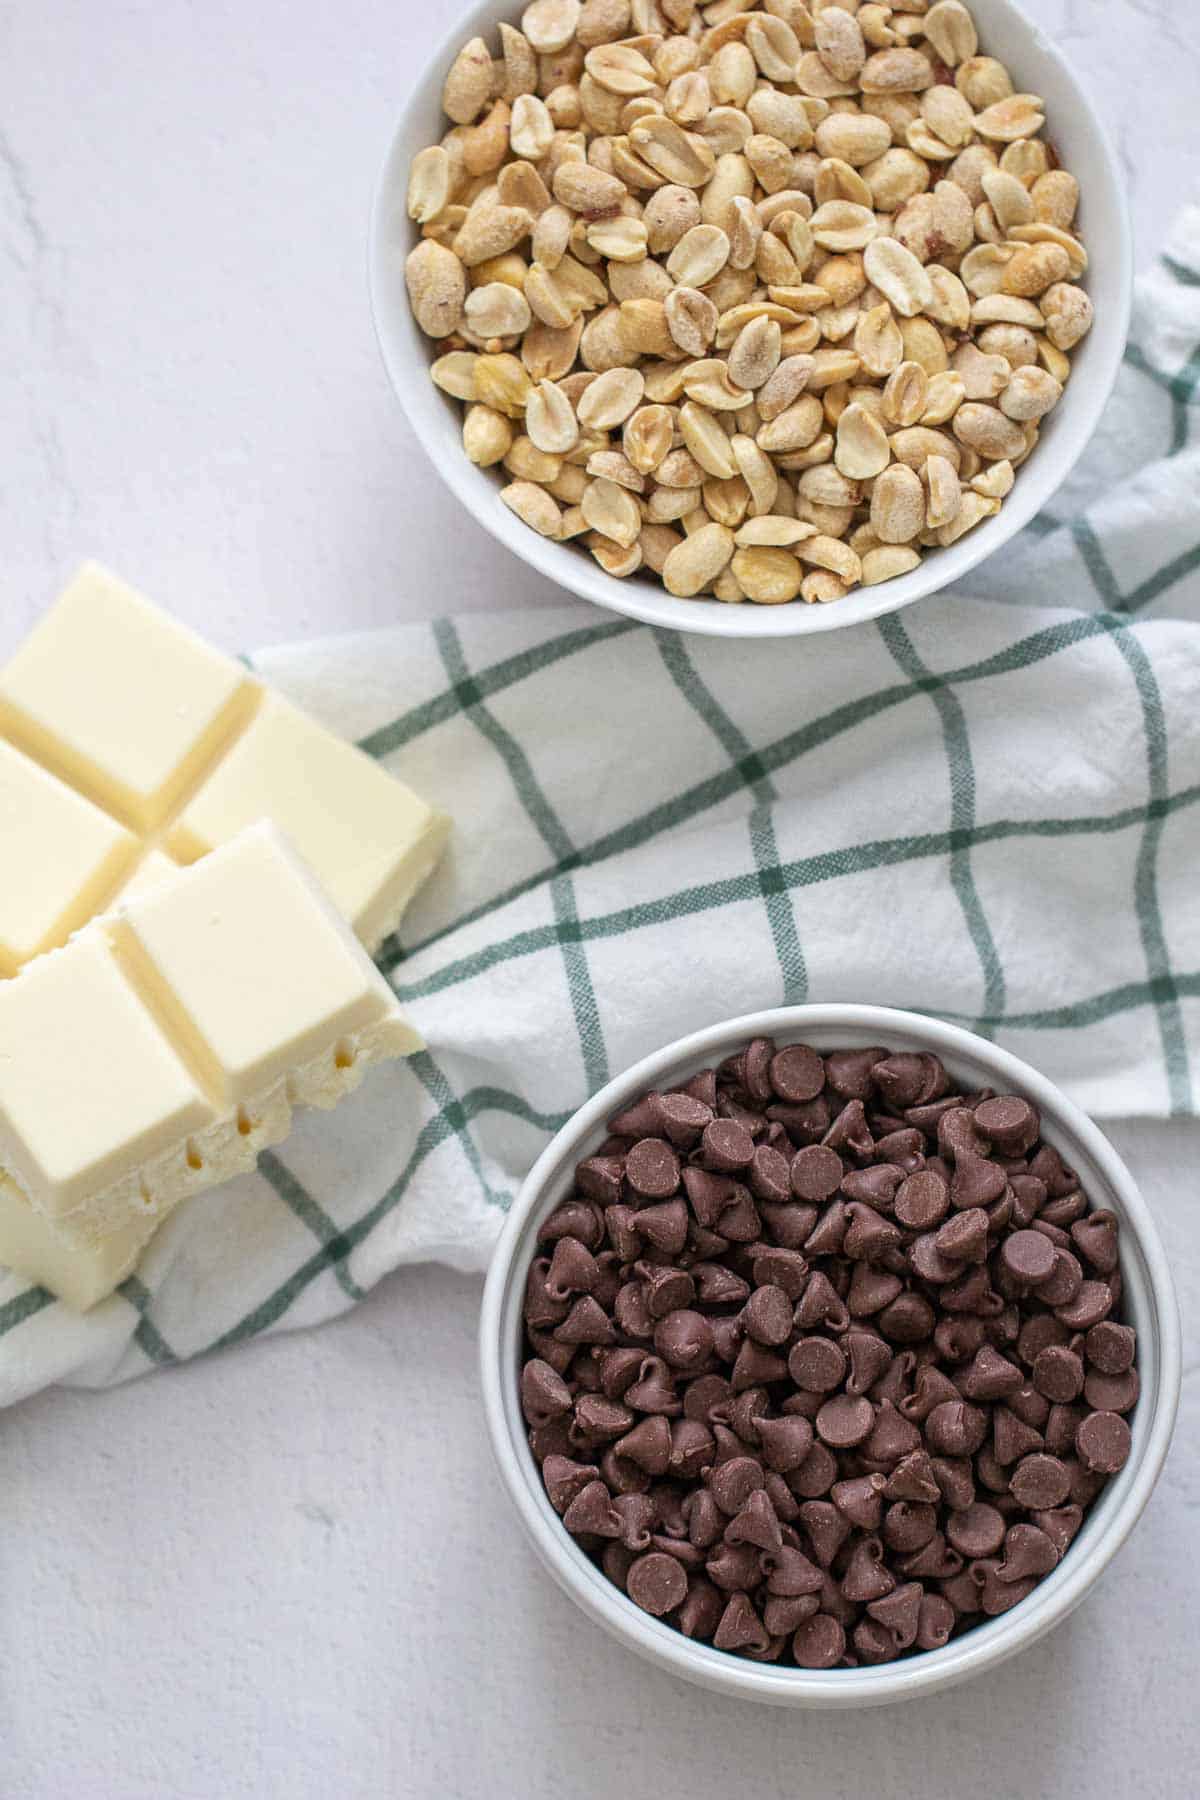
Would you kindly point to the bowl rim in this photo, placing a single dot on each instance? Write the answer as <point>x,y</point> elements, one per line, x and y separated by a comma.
<point>1160,1354</point>
<point>581,576</point>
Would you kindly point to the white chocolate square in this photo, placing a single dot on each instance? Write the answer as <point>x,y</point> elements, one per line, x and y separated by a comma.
<point>79,1268</point>
<point>90,1088</point>
<point>60,858</point>
<point>250,967</point>
<point>123,702</point>
<point>369,839</point>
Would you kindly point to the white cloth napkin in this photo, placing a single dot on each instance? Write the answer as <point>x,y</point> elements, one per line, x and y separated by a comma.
<point>987,807</point>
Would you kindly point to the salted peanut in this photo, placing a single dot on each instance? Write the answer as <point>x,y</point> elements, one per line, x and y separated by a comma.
<point>612,512</point>
<point>874,21</point>
<point>691,319</point>
<point>437,287</point>
<point>688,99</point>
<point>830,553</point>
<point>603,345</point>
<point>484,146</point>
<point>551,236</point>
<point>669,506</point>
<point>836,180</point>
<point>771,162</point>
<point>699,256</point>
<point>819,587</point>
<point>503,382</point>
<point>516,72</point>
<point>602,22</point>
<point>550,420</point>
<point>534,507</point>
<point>496,310</point>
<point>781,116</point>
<point>1017,116</point>
<point>949,118</point>
<point>610,398</point>
<point>1033,268</point>
<point>877,341</point>
<point>565,106</point>
<point>886,561</point>
<point>530,127</point>
<point>1017,345</point>
<point>773,531</point>
<point>549,354</point>
<point>969,168</point>
<point>951,303</point>
<point>840,225</point>
<point>986,429</point>
<point>550,25</point>
<point>982,269</point>
<point>817,82</point>
<point>896,71</point>
<point>487,436</point>
<point>1056,362</point>
<point>726,129</point>
<point>641,280</point>
<point>811,456</point>
<point>983,81</point>
<point>995,482</point>
<point>795,428</point>
<point>613,558</point>
<point>983,376</point>
<point>1010,199</point>
<point>770,576</point>
<point>1055,198</point>
<point>862,449</point>
<point>1006,309</point>
<point>621,240</point>
<point>853,138</point>
<point>743,227</point>
<point>725,501</point>
<point>583,188</point>
<point>829,366</point>
<point>1030,394</point>
<point>526,462</point>
<point>621,69</point>
<point>677,155</point>
<point>731,176</point>
<point>974,509</point>
<point>946,394</point>
<point>897,505</point>
<point>669,213</point>
<point>611,465</point>
<point>468,84</point>
<point>549,299</point>
<point>788,382</point>
<point>697,562</point>
<point>508,268</point>
<point>951,30</point>
<point>732,74</point>
<point>656,543</point>
<point>757,471</point>
<point>1026,158</point>
<point>924,344</point>
<point>839,42</point>
<point>906,394</point>
<point>707,442</point>
<point>943,492</point>
<point>755,353</point>
<point>898,275</point>
<point>489,231</point>
<point>647,437</point>
<point>1038,233</point>
<point>895,178</point>
<point>773,45</point>
<point>428,184</point>
<point>454,373</point>
<point>569,484</point>
<point>707,383</point>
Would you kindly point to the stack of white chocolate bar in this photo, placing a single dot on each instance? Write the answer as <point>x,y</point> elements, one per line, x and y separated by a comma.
<point>178,977</point>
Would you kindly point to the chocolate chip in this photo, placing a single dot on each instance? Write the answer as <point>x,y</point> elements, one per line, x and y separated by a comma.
<point>778,1385</point>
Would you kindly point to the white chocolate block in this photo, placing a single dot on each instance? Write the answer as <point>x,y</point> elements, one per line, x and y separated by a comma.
<point>79,1268</point>
<point>112,700</point>
<point>252,969</point>
<point>60,859</point>
<point>166,1045</point>
<point>119,699</point>
<point>369,839</point>
<point>90,1089</point>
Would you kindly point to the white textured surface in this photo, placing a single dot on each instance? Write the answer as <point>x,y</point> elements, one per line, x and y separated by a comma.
<point>288,1572</point>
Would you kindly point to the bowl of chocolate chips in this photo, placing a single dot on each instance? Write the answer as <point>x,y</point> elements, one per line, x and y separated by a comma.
<point>829,1355</point>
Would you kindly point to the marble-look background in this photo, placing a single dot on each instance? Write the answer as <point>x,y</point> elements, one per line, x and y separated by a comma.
<point>288,1572</point>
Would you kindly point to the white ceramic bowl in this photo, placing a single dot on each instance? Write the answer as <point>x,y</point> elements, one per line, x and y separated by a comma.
<point>1083,147</point>
<point>1148,1303</point>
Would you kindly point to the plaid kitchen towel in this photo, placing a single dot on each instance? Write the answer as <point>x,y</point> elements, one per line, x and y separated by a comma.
<point>985,807</point>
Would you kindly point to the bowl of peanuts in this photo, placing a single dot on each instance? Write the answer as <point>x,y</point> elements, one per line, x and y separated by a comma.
<point>754,318</point>
<point>829,1355</point>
